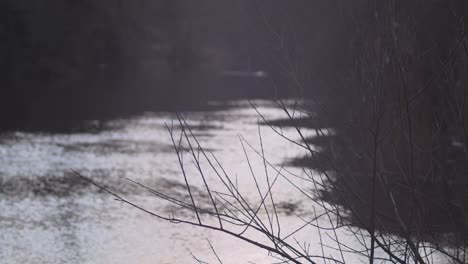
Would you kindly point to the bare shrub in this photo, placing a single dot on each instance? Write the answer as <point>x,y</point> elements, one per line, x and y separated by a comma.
<point>391,172</point>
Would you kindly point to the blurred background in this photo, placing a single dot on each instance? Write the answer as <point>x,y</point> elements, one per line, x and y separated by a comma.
<point>66,61</point>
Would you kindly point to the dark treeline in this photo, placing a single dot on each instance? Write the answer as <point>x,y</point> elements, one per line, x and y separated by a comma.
<point>73,60</point>
<point>65,61</point>
<point>81,59</point>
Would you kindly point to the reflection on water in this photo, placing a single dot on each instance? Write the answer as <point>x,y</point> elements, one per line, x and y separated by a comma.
<point>51,216</point>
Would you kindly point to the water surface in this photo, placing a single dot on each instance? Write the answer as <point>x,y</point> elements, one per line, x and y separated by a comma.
<point>51,216</point>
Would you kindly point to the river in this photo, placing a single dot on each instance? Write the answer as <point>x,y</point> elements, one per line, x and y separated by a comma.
<point>49,215</point>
